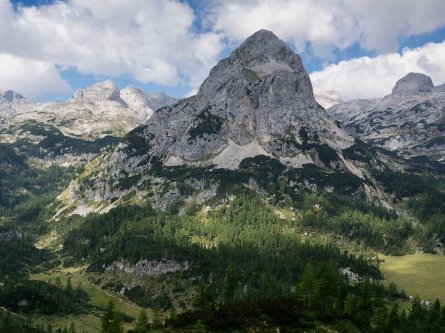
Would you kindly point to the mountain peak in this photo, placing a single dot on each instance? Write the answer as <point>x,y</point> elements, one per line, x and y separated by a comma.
<point>265,47</point>
<point>11,96</point>
<point>254,98</point>
<point>105,90</point>
<point>413,83</point>
<point>12,103</point>
<point>328,98</point>
<point>262,35</point>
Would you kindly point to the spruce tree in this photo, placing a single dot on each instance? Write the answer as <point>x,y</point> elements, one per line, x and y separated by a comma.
<point>111,320</point>
<point>230,286</point>
<point>306,285</point>
<point>141,325</point>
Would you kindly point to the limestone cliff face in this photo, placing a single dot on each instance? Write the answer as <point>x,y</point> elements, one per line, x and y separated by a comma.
<point>259,94</point>
<point>410,121</point>
<point>257,105</point>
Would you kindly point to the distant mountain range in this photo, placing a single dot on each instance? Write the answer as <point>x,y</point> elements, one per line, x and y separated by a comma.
<point>410,121</point>
<point>92,117</point>
<point>256,107</point>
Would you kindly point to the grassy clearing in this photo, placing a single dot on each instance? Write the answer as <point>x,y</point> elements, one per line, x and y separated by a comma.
<point>419,274</point>
<point>98,297</point>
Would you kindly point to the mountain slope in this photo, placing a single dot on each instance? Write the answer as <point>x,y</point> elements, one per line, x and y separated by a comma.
<point>92,119</point>
<point>328,98</point>
<point>12,103</point>
<point>411,120</point>
<point>254,119</point>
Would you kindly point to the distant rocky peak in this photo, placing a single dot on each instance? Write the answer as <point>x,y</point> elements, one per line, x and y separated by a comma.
<point>12,103</point>
<point>264,47</point>
<point>328,98</point>
<point>440,88</point>
<point>413,83</point>
<point>105,90</point>
<point>11,96</point>
<point>261,55</point>
<point>134,96</point>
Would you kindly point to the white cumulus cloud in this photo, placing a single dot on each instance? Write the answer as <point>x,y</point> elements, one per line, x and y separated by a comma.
<point>367,77</point>
<point>148,40</point>
<point>30,77</point>
<point>330,24</point>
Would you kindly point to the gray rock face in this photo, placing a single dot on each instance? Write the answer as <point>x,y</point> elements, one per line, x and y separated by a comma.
<point>12,103</point>
<point>410,121</point>
<point>101,91</point>
<point>413,83</point>
<point>259,93</point>
<point>328,98</point>
<point>258,101</point>
<point>137,98</point>
<point>440,88</point>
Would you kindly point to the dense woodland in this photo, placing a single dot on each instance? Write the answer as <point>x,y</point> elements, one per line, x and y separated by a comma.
<point>255,261</point>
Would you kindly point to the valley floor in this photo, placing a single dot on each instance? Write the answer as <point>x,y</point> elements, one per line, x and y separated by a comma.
<point>418,274</point>
<point>86,322</point>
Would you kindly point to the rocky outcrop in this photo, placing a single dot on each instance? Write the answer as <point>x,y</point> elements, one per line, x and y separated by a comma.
<point>12,103</point>
<point>92,113</point>
<point>328,98</point>
<point>149,267</point>
<point>410,121</point>
<point>261,93</point>
<point>255,105</point>
<point>94,118</point>
<point>10,236</point>
<point>413,83</point>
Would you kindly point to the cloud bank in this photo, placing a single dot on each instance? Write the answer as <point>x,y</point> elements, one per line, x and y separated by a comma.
<point>147,40</point>
<point>171,43</point>
<point>329,24</point>
<point>375,77</point>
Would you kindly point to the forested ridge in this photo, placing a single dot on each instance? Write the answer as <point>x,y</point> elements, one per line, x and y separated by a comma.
<point>253,261</point>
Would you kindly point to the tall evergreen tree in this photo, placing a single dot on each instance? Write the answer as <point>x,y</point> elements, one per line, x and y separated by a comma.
<point>141,325</point>
<point>306,286</point>
<point>111,320</point>
<point>230,286</point>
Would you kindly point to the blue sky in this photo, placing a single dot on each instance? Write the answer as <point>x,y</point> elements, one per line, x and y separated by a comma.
<point>49,49</point>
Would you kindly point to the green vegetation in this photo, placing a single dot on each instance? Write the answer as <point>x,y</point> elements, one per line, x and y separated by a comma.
<point>206,123</point>
<point>39,296</point>
<point>251,260</point>
<point>360,151</point>
<point>55,143</point>
<point>425,200</point>
<point>418,274</point>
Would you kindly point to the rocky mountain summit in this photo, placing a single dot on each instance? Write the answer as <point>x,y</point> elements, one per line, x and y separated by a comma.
<point>12,103</point>
<point>413,83</point>
<point>328,98</point>
<point>96,111</point>
<point>411,120</point>
<point>256,105</point>
<point>255,98</point>
<point>94,116</point>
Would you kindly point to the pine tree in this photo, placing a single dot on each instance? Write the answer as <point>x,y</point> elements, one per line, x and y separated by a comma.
<point>306,285</point>
<point>141,325</point>
<point>326,289</point>
<point>416,314</point>
<point>156,318</point>
<point>72,328</point>
<point>111,320</point>
<point>204,299</point>
<point>230,286</point>
<point>69,287</point>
